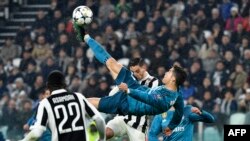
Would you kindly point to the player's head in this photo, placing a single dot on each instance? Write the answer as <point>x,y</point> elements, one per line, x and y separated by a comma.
<point>56,81</point>
<point>44,93</point>
<point>138,67</point>
<point>175,76</point>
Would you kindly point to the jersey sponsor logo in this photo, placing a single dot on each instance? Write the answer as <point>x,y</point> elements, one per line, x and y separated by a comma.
<point>158,96</point>
<point>63,99</point>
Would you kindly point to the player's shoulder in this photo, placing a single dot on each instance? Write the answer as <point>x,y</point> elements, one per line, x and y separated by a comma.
<point>80,95</point>
<point>43,102</point>
<point>166,90</point>
<point>151,77</point>
<point>154,79</point>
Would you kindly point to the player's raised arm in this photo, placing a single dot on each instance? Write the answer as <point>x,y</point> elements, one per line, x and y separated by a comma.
<point>203,116</point>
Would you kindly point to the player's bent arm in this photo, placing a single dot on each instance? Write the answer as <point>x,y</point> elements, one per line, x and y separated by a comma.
<point>155,128</point>
<point>204,117</point>
<point>179,109</point>
<point>145,97</point>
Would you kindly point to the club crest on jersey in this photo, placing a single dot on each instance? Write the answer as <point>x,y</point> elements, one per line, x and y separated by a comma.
<point>158,96</point>
<point>164,115</point>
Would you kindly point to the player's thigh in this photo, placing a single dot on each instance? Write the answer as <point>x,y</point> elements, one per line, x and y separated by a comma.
<point>116,104</point>
<point>118,126</point>
<point>125,76</point>
<point>135,135</point>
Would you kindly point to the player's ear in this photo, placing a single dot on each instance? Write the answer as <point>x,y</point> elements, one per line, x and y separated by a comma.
<point>144,67</point>
<point>173,80</point>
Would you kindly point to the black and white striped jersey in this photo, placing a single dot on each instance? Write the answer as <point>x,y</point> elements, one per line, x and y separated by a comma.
<point>64,113</point>
<point>141,122</point>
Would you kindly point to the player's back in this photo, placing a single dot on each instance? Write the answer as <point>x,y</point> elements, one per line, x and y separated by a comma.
<point>65,113</point>
<point>165,99</point>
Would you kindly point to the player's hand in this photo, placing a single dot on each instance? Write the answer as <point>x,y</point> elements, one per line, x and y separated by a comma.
<point>26,127</point>
<point>80,31</point>
<point>196,110</point>
<point>167,131</point>
<point>123,87</point>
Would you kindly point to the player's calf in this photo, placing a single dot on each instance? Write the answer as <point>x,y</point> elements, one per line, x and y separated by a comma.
<point>99,52</point>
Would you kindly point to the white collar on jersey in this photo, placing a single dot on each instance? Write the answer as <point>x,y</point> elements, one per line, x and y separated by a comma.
<point>58,91</point>
<point>146,77</point>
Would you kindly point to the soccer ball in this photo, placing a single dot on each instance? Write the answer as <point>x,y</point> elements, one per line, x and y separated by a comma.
<point>82,15</point>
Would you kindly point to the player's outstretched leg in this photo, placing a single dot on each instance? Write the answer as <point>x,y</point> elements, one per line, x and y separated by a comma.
<point>119,73</point>
<point>100,53</point>
<point>103,56</point>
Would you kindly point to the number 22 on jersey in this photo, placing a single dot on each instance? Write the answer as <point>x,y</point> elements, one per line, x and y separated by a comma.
<point>71,109</point>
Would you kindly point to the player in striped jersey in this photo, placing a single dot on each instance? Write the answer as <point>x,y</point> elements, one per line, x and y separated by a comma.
<point>134,126</point>
<point>64,113</point>
<point>133,98</point>
<point>46,136</point>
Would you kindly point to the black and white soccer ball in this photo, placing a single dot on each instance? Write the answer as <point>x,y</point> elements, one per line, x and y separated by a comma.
<point>82,15</point>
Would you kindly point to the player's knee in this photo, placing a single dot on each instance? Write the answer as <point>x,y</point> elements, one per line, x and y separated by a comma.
<point>109,133</point>
<point>94,101</point>
<point>113,65</point>
<point>111,62</point>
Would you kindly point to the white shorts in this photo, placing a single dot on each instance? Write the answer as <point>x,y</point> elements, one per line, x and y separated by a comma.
<point>120,128</point>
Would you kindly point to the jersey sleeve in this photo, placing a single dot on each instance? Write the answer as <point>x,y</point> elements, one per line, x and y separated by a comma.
<point>145,97</point>
<point>41,116</point>
<point>155,83</point>
<point>31,120</point>
<point>204,117</point>
<point>179,109</point>
<point>92,112</point>
<point>155,128</point>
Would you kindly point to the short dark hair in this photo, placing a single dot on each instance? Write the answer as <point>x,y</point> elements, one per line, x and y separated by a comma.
<point>180,75</point>
<point>56,80</point>
<point>42,90</point>
<point>136,61</point>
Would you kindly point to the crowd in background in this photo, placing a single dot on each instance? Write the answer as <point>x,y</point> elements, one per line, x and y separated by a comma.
<point>209,38</point>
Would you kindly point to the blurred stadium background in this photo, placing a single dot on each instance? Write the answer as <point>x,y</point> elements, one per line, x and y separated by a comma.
<point>210,38</point>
